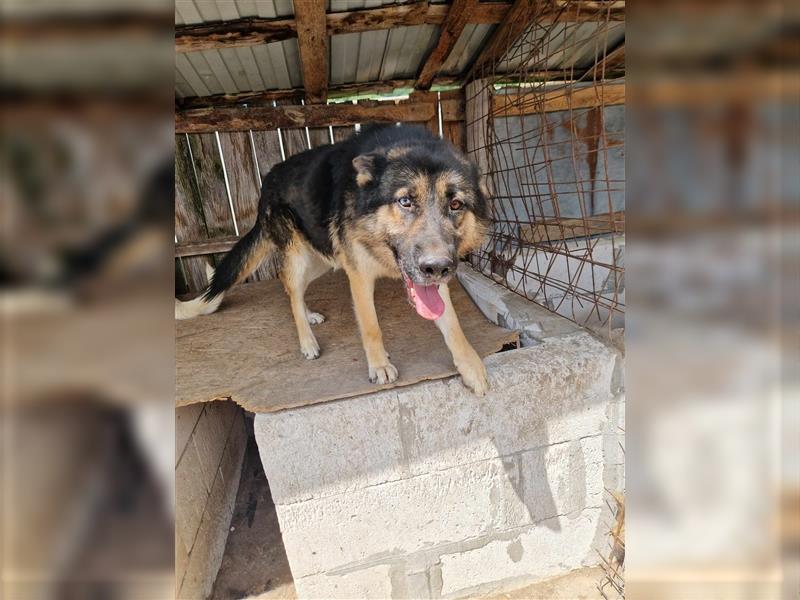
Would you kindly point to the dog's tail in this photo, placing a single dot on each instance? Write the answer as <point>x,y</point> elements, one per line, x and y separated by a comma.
<point>238,263</point>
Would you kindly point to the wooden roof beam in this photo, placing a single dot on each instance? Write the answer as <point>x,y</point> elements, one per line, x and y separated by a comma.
<point>252,31</point>
<point>458,16</point>
<point>312,39</point>
<point>203,120</point>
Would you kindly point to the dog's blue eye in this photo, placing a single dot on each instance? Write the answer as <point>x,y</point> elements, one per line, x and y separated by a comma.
<point>405,202</point>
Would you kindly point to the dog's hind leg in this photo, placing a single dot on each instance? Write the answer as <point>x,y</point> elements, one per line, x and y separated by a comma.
<point>466,360</point>
<point>301,266</point>
<point>362,287</point>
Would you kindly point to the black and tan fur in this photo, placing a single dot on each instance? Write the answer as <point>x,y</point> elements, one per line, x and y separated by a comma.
<point>386,202</point>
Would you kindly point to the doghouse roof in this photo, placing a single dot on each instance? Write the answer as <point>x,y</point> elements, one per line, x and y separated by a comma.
<point>235,47</point>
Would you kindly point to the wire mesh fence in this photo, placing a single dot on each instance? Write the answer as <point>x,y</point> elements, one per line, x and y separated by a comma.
<point>545,123</point>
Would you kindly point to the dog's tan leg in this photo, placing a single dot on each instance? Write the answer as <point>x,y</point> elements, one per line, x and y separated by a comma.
<point>300,268</point>
<point>466,360</point>
<point>362,288</point>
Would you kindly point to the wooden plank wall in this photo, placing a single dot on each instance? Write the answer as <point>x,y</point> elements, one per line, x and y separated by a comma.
<point>209,208</point>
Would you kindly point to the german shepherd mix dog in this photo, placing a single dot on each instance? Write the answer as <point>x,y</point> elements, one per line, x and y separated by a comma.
<point>391,201</point>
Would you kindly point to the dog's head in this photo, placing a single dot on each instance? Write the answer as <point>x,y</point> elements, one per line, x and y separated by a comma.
<point>427,203</point>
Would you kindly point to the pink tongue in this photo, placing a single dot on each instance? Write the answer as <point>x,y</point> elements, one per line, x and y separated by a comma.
<point>427,301</point>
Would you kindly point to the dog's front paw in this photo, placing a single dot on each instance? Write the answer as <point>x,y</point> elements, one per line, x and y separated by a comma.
<point>310,348</point>
<point>473,375</point>
<point>314,318</point>
<point>386,373</point>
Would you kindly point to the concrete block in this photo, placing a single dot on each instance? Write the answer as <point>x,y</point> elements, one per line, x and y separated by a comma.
<point>185,421</point>
<point>549,548</point>
<point>563,478</point>
<point>365,526</point>
<point>545,394</point>
<point>373,582</point>
<point>354,444</point>
<point>416,586</point>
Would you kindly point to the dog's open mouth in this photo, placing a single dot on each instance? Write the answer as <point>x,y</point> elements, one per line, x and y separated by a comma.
<point>425,299</point>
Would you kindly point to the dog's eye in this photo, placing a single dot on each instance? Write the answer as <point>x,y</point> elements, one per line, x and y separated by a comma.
<point>405,202</point>
<point>456,204</point>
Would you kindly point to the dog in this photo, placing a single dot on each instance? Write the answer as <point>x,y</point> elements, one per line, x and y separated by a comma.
<point>390,201</point>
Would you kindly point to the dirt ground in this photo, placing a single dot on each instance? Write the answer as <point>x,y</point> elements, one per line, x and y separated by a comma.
<point>255,563</point>
<point>255,566</point>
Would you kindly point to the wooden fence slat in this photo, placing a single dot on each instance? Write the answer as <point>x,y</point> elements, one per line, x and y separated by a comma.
<point>244,184</point>
<point>189,218</point>
<point>211,184</point>
<point>342,133</point>
<point>268,150</point>
<point>294,140</point>
<point>242,177</point>
<point>320,136</point>
<point>455,132</point>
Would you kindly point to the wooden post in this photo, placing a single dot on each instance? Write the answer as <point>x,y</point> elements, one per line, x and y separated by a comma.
<point>312,38</point>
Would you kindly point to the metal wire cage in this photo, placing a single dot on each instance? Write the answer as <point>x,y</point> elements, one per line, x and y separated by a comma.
<point>545,123</point>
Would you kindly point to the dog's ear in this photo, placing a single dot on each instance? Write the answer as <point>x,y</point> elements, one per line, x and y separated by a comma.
<point>368,167</point>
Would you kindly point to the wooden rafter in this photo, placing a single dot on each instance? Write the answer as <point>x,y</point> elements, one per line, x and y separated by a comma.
<point>252,31</point>
<point>203,120</point>
<point>459,15</point>
<point>312,39</point>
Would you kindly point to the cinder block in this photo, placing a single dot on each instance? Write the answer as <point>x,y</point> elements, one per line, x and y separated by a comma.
<point>540,395</point>
<point>401,517</point>
<point>549,548</point>
<point>373,582</point>
<point>185,421</point>
<point>354,444</point>
<point>563,478</point>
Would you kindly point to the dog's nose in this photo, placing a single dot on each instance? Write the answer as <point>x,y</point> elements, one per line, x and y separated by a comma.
<point>436,266</point>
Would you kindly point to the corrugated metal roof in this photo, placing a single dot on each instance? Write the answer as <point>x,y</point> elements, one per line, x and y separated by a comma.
<point>468,45</point>
<point>396,53</point>
<point>559,46</point>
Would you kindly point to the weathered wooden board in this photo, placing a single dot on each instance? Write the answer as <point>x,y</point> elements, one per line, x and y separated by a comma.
<point>189,218</point>
<point>342,133</point>
<point>242,178</point>
<point>248,351</point>
<point>312,40</point>
<point>294,138</point>
<point>455,132</point>
<point>211,183</point>
<point>200,120</point>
